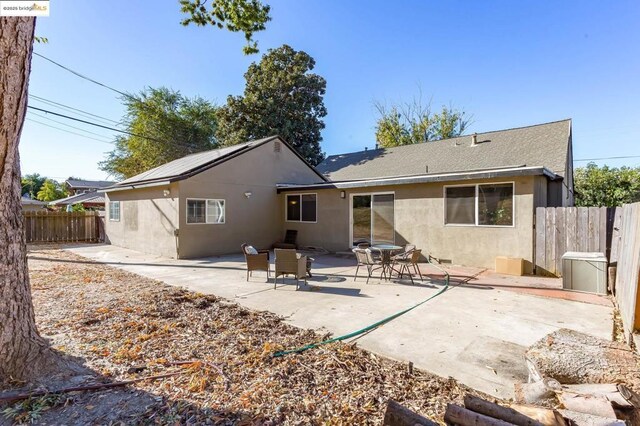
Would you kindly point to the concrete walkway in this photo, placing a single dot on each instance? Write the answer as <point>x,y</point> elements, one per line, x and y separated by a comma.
<point>476,334</point>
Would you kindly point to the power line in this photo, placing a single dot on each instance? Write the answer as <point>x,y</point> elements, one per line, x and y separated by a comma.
<point>65,130</point>
<point>65,124</point>
<point>95,124</point>
<point>609,158</point>
<point>79,111</point>
<point>83,76</point>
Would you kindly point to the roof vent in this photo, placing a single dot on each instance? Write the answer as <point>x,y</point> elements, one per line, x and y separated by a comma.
<point>474,139</point>
<point>276,146</point>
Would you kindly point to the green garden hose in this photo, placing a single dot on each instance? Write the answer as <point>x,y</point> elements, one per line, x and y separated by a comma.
<point>369,327</point>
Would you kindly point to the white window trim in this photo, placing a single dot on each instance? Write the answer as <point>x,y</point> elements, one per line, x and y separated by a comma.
<point>111,219</point>
<point>206,211</point>
<point>372,194</point>
<point>477,185</point>
<point>286,207</point>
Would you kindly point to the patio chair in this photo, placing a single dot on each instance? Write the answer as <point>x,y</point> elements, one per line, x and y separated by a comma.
<point>411,260</point>
<point>288,262</point>
<point>365,258</point>
<point>257,260</point>
<point>408,248</point>
<point>289,241</point>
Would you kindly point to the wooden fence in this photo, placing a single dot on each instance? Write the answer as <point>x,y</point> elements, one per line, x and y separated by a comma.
<point>628,269</point>
<point>562,229</point>
<point>67,227</point>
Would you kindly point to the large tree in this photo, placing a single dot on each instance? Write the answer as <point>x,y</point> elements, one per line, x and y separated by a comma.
<point>282,96</point>
<point>245,16</point>
<point>163,125</point>
<point>51,190</point>
<point>31,184</point>
<point>606,186</point>
<point>413,122</point>
<point>24,354</point>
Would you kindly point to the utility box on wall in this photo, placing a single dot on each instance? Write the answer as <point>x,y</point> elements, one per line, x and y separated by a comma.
<point>584,272</point>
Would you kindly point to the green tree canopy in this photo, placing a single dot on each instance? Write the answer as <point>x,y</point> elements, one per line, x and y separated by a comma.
<point>31,184</point>
<point>51,190</point>
<point>606,186</point>
<point>245,16</point>
<point>168,126</point>
<point>410,123</point>
<point>281,97</point>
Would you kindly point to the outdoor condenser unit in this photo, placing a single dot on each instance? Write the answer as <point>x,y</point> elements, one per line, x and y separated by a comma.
<point>584,272</point>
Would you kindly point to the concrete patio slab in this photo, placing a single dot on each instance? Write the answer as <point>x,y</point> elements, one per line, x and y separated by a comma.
<point>474,333</point>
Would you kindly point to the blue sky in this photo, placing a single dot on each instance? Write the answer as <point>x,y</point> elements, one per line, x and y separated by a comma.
<point>508,63</point>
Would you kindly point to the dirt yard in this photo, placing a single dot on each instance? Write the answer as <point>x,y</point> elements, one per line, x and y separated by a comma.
<point>123,326</point>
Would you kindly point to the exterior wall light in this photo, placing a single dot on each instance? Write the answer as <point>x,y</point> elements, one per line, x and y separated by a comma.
<point>248,194</point>
<point>343,194</point>
<point>166,192</point>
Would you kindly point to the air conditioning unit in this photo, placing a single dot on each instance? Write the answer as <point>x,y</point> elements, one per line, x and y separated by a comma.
<point>584,272</point>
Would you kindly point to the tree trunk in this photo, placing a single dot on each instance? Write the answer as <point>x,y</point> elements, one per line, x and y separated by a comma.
<point>24,355</point>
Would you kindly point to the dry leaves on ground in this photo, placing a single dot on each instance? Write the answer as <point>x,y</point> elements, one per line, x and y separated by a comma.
<point>116,320</point>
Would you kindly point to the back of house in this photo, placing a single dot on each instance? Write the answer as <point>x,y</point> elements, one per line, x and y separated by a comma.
<point>464,200</point>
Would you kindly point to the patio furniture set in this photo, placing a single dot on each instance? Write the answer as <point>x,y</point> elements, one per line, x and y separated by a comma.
<point>385,257</point>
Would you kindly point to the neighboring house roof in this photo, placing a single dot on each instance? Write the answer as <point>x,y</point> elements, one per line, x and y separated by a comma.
<point>190,165</point>
<point>26,201</point>
<point>543,145</point>
<point>81,183</point>
<point>87,197</point>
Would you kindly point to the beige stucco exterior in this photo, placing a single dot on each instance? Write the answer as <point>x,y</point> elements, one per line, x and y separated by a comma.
<point>419,220</point>
<point>148,220</point>
<point>153,219</point>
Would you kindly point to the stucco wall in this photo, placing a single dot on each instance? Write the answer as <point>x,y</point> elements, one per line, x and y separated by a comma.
<point>147,220</point>
<point>419,219</point>
<point>256,219</point>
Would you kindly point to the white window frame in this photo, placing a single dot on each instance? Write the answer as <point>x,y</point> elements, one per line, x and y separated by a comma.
<point>372,194</point>
<point>115,203</point>
<point>206,211</point>
<point>286,206</point>
<point>476,203</point>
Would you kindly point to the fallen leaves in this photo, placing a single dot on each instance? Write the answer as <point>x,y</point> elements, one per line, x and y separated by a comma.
<point>119,320</point>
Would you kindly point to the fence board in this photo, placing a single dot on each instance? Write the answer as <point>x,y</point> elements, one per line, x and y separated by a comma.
<point>58,227</point>
<point>564,229</point>
<point>628,271</point>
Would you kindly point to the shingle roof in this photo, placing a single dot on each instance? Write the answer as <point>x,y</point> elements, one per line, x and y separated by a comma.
<point>81,183</point>
<point>195,163</point>
<point>543,145</point>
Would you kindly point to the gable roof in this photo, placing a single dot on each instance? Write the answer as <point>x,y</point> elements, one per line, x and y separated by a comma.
<point>81,183</point>
<point>543,145</point>
<point>190,165</point>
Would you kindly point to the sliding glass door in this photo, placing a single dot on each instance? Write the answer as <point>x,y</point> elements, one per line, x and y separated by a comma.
<point>372,219</point>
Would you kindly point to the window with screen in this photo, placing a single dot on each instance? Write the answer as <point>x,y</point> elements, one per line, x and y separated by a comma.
<point>301,207</point>
<point>205,211</point>
<point>114,211</point>
<point>480,205</point>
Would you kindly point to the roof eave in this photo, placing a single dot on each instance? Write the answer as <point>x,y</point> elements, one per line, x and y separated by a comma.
<point>444,177</point>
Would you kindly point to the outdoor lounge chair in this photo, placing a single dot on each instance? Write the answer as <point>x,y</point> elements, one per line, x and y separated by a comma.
<point>365,258</point>
<point>257,260</point>
<point>288,262</point>
<point>411,260</point>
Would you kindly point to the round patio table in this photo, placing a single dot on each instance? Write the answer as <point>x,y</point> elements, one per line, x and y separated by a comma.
<point>385,255</point>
